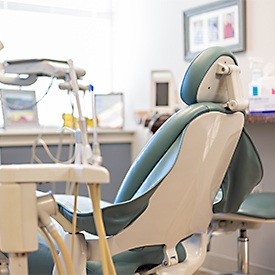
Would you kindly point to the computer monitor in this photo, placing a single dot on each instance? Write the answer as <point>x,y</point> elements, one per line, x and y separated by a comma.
<point>110,110</point>
<point>163,97</point>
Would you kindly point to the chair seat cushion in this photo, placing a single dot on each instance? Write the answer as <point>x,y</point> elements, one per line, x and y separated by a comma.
<point>259,205</point>
<point>115,216</point>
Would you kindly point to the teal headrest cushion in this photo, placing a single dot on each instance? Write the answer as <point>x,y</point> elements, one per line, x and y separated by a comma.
<point>197,70</point>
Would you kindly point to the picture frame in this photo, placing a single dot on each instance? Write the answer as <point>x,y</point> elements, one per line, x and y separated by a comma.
<point>19,108</point>
<point>221,23</point>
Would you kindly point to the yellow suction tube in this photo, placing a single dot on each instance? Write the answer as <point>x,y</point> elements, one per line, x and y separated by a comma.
<point>65,253</point>
<point>74,220</point>
<point>107,262</point>
<point>56,259</point>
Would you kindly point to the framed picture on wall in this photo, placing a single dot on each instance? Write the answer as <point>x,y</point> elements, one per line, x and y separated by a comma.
<point>19,108</point>
<point>219,23</point>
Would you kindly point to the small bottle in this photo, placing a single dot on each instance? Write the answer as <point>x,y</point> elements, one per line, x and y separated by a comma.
<point>256,65</point>
<point>254,95</point>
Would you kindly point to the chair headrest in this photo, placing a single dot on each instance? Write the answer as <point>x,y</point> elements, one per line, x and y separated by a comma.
<point>201,82</point>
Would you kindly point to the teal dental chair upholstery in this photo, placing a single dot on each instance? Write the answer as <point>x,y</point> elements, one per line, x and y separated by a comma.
<point>158,222</point>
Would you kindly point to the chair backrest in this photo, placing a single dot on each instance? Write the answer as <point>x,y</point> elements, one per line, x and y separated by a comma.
<point>187,178</point>
<point>184,163</point>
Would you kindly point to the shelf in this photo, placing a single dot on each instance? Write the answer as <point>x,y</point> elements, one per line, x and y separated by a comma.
<point>261,118</point>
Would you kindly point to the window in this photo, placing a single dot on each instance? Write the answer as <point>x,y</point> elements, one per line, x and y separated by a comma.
<point>78,30</point>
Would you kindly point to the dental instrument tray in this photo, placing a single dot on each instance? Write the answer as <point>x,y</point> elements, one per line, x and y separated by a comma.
<point>41,67</point>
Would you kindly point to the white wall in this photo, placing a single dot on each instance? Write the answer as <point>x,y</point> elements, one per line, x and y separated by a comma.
<point>148,35</point>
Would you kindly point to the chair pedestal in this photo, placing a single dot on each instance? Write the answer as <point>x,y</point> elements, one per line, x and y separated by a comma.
<point>233,222</point>
<point>243,252</point>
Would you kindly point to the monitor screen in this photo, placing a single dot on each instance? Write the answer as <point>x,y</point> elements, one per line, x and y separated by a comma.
<point>162,94</point>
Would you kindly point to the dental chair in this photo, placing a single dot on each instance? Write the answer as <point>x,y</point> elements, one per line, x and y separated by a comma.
<point>158,222</point>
